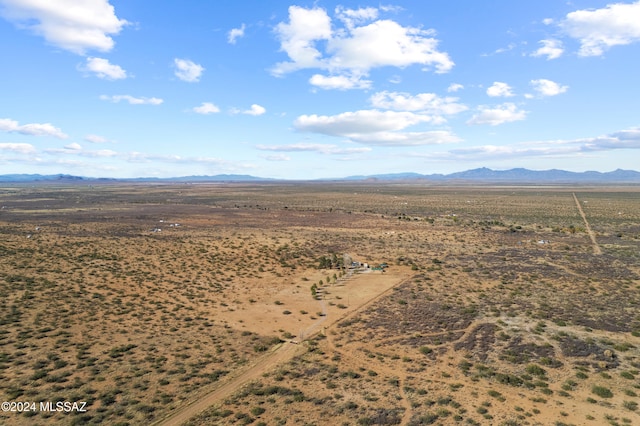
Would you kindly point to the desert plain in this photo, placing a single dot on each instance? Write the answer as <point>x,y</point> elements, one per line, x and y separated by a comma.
<point>237,303</point>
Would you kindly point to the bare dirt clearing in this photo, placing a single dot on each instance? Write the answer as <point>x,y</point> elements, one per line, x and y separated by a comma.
<point>141,299</point>
<point>358,290</point>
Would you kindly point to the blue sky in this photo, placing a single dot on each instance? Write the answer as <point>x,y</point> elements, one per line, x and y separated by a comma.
<point>317,89</point>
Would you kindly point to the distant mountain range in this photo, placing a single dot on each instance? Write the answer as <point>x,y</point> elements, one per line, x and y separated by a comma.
<point>483,174</point>
<point>518,175</point>
<point>71,178</point>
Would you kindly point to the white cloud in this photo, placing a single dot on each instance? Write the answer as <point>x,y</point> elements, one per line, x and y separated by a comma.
<point>76,156</point>
<point>353,17</point>
<point>352,51</point>
<point>254,110</point>
<point>358,122</point>
<point>374,127</point>
<point>391,8</point>
<point>104,69</point>
<point>386,43</point>
<point>235,33</point>
<point>504,113</point>
<point>78,150</point>
<point>552,49</point>
<point>599,29</point>
<point>187,70</point>
<point>313,147</point>
<point>340,82</point>
<point>132,100</point>
<point>276,157</point>
<point>96,139</point>
<point>73,146</point>
<point>72,25</point>
<point>454,87</point>
<point>206,108</point>
<point>101,153</point>
<point>142,157</point>
<point>20,148</point>
<point>499,89</point>
<point>509,47</point>
<point>546,87</point>
<point>33,129</point>
<point>432,137</point>
<point>622,140</point>
<point>298,37</point>
<point>427,103</point>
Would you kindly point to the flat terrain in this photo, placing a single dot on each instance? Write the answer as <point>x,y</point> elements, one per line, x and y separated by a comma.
<point>226,304</point>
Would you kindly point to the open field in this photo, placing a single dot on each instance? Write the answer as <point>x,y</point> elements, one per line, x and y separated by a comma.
<point>496,308</point>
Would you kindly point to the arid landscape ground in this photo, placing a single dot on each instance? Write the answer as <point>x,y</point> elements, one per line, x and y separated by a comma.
<point>223,304</point>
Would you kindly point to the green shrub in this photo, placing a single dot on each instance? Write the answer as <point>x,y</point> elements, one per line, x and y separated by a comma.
<point>602,392</point>
<point>536,370</point>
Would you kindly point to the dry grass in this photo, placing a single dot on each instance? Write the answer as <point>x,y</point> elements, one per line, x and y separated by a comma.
<point>493,327</point>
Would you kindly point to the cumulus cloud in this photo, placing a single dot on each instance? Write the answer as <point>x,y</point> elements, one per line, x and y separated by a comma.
<point>298,37</point>
<point>76,26</point>
<point>499,89</point>
<point>206,108</point>
<point>313,147</point>
<point>358,122</point>
<point>454,87</point>
<point>254,110</point>
<point>387,43</point>
<point>500,114</point>
<point>374,127</point>
<point>340,82</point>
<point>597,30</point>
<point>353,17</point>
<point>32,129</point>
<point>187,70</point>
<point>19,148</point>
<point>132,100</point>
<point>102,68</point>
<point>552,49</point>
<point>546,87</point>
<point>352,51</point>
<point>235,33</point>
<point>426,103</point>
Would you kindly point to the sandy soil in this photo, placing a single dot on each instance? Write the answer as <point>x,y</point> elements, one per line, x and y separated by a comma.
<point>143,300</point>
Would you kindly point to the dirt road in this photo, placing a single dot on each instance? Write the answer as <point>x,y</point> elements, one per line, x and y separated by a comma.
<point>592,235</point>
<point>287,350</point>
